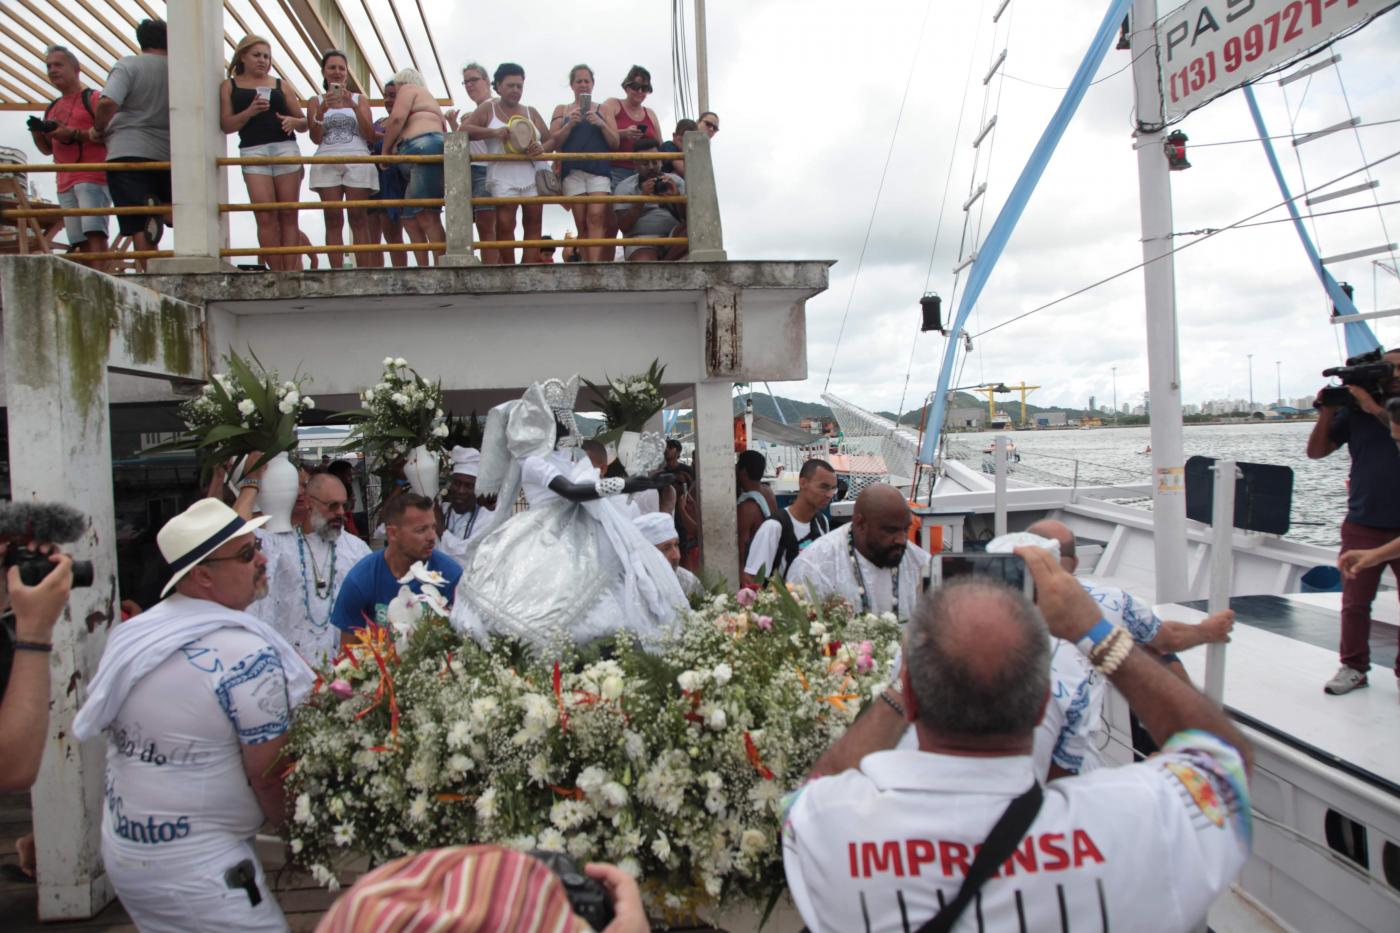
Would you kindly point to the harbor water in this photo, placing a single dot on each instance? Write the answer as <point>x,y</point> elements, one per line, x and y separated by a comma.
<point>1119,455</point>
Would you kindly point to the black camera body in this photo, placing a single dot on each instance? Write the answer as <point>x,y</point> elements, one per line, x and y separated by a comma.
<point>1368,371</point>
<point>587,897</point>
<point>41,126</point>
<point>663,186</point>
<point>35,566</point>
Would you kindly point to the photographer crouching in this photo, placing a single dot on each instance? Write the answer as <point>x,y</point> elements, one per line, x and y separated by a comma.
<point>1356,414</point>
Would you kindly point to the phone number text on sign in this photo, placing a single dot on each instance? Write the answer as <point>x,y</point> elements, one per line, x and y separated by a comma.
<point>1208,47</point>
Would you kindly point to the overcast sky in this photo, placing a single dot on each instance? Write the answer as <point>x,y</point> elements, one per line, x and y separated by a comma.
<point>808,95</point>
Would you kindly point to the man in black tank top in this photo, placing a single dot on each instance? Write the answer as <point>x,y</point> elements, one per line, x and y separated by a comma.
<point>781,538</point>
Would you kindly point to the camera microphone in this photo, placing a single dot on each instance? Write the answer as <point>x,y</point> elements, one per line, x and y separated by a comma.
<point>26,524</point>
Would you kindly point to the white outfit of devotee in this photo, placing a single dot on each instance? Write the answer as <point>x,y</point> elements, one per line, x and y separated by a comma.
<point>1070,731</point>
<point>560,570</point>
<point>659,528</point>
<point>825,568</point>
<point>294,605</point>
<point>462,528</point>
<point>882,847</point>
<point>180,690</point>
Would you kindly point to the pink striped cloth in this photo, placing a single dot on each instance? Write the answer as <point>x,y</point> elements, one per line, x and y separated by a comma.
<point>464,889</point>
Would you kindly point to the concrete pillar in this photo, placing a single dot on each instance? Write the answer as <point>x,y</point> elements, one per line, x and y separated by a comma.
<point>457,198</point>
<point>702,207</point>
<point>195,30</point>
<point>64,326</point>
<point>61,451</point>
<point>714,469</point>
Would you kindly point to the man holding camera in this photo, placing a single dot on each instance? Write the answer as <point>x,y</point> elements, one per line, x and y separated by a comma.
<point>651,219</point>
<point>66,133</point>
<point>1373,506</point>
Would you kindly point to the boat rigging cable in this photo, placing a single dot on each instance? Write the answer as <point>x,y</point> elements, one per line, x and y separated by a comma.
<point>1011,212</point>
<point>1243,222</point>
<point>1359,337</point>
<point>875,207</point>
<point>681,99</point>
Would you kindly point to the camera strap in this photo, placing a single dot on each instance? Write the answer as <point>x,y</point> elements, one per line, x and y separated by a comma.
<point>1008,832</point>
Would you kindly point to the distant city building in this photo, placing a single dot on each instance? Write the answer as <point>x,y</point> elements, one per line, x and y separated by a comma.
<point>1092,406</point>
<point>1049,419</point>
<point>1125,409</point>
<point>1190,409</point>
<point>1139,410</point>
<point>967,417</point>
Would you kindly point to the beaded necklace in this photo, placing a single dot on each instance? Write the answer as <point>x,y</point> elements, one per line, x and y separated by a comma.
<point>329,585</point>
<point>467,532</point>
<point>865,602</point>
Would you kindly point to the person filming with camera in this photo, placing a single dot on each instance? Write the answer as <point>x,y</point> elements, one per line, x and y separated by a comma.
<point>651,219</point>
<point>24,709</point>
<point>1360,420</point>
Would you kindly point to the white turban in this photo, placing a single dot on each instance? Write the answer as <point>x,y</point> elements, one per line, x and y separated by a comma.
<point>657,527</point>
<point>466,461</point>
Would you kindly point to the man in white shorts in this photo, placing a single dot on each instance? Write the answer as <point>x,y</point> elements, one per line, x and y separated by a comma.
<point>66,134</point>
<point>195,697</point>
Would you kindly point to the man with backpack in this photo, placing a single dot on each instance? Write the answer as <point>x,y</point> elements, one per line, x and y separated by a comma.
<point>66,133</point>
<point>781,538</point>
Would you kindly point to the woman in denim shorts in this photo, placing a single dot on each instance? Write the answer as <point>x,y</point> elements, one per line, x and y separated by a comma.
<point>579,126</point>
<point>252,104</point>
<point>415,128</point>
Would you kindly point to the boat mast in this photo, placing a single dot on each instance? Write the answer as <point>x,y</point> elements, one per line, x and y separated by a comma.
<point>1163,353</point>
<point>702,60</point>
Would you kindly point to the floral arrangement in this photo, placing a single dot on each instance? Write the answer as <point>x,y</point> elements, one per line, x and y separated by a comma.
<point>672,765</point>
<point>402,411</point>
<point>241,410</point>
<point>629,402</point>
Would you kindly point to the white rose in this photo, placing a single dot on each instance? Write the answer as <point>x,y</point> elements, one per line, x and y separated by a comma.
<point>611,687</point>
<point>717,719</point>
<point>303,809</point>
<point>292,396</point>
<point>388,361</point>
<point>752,842</point>
<point>246,407</point>
<point>722,673</point>
<point>400,362</point>
<point>486,804</point>
<point>689,681</point>
<point>286,407</point>
<point>398,398</point>
<point>308,402</point>
<point>440,431</point>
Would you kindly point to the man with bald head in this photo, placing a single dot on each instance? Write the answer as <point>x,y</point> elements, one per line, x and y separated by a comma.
<point>871,563</point>
<point>890,843</point>
<point>306,567</point>
<point>1163,636</point>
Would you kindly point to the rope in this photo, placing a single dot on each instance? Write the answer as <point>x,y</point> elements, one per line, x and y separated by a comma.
<point>1173,251</point>
<point>875,206</point>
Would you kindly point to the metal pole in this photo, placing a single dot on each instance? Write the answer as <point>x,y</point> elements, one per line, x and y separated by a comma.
<point>999,521</point>
<point>1159,277</point>
<point>1278,373</point>
<point>1251,380</point>
<point>1115,395</point>
<point>1222,567</point>
<point>702,70</point>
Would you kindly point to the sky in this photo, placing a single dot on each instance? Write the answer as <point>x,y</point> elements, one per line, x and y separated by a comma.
<point>816,97</point>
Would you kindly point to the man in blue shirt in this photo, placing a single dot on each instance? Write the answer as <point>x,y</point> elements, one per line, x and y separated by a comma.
<point>1373,512</point>
<point>369,587</point>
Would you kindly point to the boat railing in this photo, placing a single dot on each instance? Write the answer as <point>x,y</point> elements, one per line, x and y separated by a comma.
<point>1055,469</point>
<point>702,239</point>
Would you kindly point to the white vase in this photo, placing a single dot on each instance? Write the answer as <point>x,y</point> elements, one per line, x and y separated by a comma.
<point>627,449</point>
<point>421,470</point>
<point>277,495</point>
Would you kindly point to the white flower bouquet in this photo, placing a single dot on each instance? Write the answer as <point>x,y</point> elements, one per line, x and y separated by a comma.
<point>244,409</point>
<point>671,765</point>
<point>400,412</point>
<point>627,403</point>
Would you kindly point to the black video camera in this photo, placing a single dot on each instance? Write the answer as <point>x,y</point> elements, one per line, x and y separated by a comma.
<point>24,525</point>
<point>587,898</point>
<point>1369,371</point>
<point>41,126</point>
<point>663,186</point>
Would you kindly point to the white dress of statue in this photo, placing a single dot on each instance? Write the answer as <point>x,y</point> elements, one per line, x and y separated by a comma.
<point>573,566</point>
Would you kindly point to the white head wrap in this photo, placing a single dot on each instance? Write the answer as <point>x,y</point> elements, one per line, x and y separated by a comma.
<point>1009,542</point>
<point>466,461</point>
<point>657,527</point>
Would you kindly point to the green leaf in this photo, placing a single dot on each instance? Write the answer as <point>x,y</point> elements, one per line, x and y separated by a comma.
<point>223,432</point>
<point>253,386</point>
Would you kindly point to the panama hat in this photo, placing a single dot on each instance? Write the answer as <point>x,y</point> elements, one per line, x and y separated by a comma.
<point>196,533</point>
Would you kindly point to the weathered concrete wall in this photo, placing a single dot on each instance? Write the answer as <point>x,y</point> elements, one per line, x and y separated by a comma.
<point>64,327</point>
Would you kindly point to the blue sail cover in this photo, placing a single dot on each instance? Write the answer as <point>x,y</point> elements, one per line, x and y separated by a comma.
<point>1358,335</point>
<point>1015,204</point>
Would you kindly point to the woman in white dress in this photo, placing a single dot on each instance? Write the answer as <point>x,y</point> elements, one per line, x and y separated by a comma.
<point>572,567</point>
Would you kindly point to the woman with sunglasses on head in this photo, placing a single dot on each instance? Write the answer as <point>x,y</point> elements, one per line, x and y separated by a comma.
<point>340,125</point>
<point>253,105</point>
<point>633,120</point>
<point>579,126</point>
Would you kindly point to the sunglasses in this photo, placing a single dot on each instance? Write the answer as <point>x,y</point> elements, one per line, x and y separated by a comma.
<point>637,86</point>
<point>245,555</point>
<point>336,506</point>
<point>712,125</point>
<point>470,81</point>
